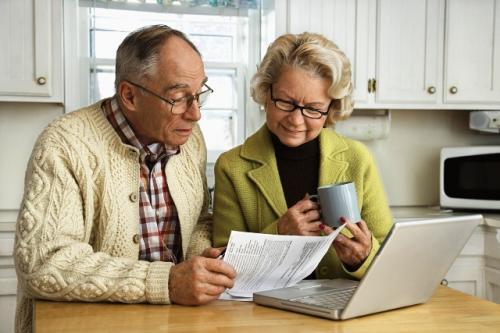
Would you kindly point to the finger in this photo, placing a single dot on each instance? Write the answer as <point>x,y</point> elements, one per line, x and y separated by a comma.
<point>361,237</point>
<point>219,280</point>
<point>345,242</point>
<point>312,215</point>
<point>340,239</point>
<point>327,229</point>
<point>353,228</point>
<point>312,226</point>
<point>313,229</point>
<point>312,233</point>
<point>343,252</point>
<point>364,227</point>
<point>305,205</point>
<point>215,290</point>
<point>213,252</point>
<point>206,298</point>
<point>352,251</point>
<point>221,267</point>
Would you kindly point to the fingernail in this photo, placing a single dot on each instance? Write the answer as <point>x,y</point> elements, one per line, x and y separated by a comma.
<point>321,227</point>
<point>343,220</point>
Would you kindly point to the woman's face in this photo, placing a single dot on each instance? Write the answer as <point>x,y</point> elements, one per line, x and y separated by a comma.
<point>299,87</point>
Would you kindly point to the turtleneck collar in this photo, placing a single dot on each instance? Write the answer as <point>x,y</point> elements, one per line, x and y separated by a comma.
<point>306,150</point>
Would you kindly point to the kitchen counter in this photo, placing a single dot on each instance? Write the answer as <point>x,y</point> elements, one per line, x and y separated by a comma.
<point>407,212</point>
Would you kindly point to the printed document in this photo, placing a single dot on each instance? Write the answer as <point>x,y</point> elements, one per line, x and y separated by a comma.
<point>264,262</point>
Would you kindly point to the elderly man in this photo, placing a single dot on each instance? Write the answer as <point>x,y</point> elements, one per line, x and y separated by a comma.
<point>115,202</point>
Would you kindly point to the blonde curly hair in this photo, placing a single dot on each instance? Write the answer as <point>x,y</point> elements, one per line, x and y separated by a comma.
<point>318,56</point>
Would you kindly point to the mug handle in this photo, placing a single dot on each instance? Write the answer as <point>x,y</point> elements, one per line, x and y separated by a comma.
<point>314,197</point>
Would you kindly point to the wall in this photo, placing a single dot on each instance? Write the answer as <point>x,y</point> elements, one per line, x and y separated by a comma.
<point>20,124</point>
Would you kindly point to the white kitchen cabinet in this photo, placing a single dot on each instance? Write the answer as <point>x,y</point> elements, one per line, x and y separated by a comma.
<point>472,53</point>
<point>476,271</point>
<point>467,272</point>
<point>438,54</point>
<point>492,264</point>
<point>409,43</point>
<point>31,61</point>
<point>8,281</point>
<point>492,280</point>
<point>467,276</point>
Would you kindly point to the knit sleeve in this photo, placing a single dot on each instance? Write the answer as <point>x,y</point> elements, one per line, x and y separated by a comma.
<point>53,256</point>
<point>202,233</point>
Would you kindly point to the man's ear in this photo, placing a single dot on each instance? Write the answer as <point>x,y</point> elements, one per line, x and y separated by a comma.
<point>127,95</point>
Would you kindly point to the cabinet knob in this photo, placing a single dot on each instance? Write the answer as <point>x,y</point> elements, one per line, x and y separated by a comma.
<point>41,80</point>
<point>431,90</point>
<point>444,282</point>
<point>453,90</point>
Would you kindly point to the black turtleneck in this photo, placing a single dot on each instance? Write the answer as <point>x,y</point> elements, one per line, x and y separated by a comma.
<point>298,168</point>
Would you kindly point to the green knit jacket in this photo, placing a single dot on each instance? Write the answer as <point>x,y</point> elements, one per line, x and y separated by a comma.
<point>249,195</point>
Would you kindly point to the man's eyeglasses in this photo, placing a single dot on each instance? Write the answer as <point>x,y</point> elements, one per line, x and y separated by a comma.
<point>180,105</point>
<point>306,111</point>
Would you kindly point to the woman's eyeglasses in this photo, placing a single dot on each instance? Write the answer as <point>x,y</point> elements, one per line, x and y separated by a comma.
<point>289,106</point>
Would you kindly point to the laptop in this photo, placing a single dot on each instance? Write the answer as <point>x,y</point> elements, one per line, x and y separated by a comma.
<point>406,270</point>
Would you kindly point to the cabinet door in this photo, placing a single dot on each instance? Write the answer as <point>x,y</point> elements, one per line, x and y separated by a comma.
<point>408,48</point>
<point>492,277</point>
<point>467,275</point>
<point>31,57</point>
<point>345,22</point>
<point>472,55</point>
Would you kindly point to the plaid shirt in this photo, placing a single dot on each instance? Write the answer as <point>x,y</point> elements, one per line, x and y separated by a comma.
<point>159,224</point>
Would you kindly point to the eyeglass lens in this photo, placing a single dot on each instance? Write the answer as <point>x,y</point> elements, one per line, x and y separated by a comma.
<point>182,104</point>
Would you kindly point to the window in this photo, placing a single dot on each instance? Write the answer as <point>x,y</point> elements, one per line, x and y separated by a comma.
<point>222,32</point>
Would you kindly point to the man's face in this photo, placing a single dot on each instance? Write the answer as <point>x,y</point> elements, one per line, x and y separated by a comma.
<point>180,72</point>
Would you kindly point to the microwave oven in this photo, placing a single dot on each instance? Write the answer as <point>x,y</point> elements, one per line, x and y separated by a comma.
<point>470,178</point>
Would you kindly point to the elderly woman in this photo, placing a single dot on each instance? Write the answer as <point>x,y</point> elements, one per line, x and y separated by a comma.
<point>304,85</point>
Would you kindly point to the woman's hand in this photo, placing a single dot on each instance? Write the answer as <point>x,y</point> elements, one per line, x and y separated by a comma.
<point>352,251</point>
<point>303,218</point>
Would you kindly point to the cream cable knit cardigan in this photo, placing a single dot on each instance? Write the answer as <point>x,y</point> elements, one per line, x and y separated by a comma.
<point>80,212</point>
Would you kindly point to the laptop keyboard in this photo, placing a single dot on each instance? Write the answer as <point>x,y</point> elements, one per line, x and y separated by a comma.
<point>334,300</point>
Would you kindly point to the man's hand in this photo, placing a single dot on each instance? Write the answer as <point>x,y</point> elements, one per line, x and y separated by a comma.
<point>303,218</point>
<point>200,280</point>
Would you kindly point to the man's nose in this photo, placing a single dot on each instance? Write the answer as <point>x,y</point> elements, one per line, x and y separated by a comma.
<point>193,111</point>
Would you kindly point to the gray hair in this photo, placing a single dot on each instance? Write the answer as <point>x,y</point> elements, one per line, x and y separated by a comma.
<point>137,55</point>
<point>315,54</point>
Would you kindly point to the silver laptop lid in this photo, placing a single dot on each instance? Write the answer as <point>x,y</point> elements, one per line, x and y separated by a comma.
<point>410,264</point>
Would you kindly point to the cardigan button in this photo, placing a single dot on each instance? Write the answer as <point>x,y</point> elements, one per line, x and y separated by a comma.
<point>136,238</point>
<point>133,197</point>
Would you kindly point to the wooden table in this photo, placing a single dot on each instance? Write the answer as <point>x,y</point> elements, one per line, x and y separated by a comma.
<point>448,311</point>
